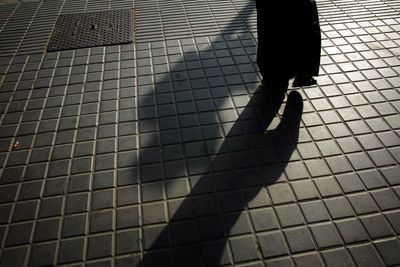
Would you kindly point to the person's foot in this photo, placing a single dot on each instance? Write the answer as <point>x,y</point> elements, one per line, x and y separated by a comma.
<point>300,81</point>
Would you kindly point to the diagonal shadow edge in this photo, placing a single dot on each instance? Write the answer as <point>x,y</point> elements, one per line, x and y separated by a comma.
<point>179,241</point>
<point>178,252</point>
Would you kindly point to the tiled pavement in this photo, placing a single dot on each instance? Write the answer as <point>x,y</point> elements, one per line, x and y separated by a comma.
<point>157,152</point>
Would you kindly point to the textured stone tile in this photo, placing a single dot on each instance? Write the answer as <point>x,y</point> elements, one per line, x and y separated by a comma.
<point>312,259</point>
<point>264,219</point>
<point>289,215</point>
<point>339,207</point>
<point>305,189</point>
<point>127,242</point>
<point>79,183</point>
<point>243,249</point>
<point>71,250</point>
<point>12,175</point>
<point>386,199</point>
<point>350,183</point>
<point>82,165</point>
<point>325,235</point>
<point>102,263</point>
<point>5,213</point>
<point>393,219</point>
<point>211,228</point>
<point>25,211</point>
<point>183,233</point>
<point>328,186</point>
<point>19,234</point>
<point>58,168</point>
<point>388,249</point>
<point>30,190</point>
<point>187,255</point>
<point>154,213</point>
<point>339,164</point>
<point>101,221</point>
<point>372,179</point>
<point>281,193</point>
<point>127,195</point>
<point>103,199</point>
<point>281,262</point>
<point>299,239</point>
<point>231,201</point>
<point>314,211</point>
<point>35,171</point>
<point>176,188</point>
<point>391,175</point>
<point>46,230</point>
<point>337,257</point>
<point>363,203</point>
<point>8,193</point>
<point>103,180</point>
<point>54,187</point>
<point>273,244</point>
<point>366,255</point>
<point>51,207</point>
<point>152,192</point>
<point>61,152</point>
<point>296,170</point>
<point>99,246</point>
<point>257,198</point>
<point>127,217</point>
<point>211,250</point>
<point>155,237</point>
<point>77,203</point>
<point>317,168</point>
<point>43,254</point>
<point>352,230</point>
<point>376,226</point>
<point>74,225</point>
<point>14,256</point>
<point>127,261</point>
<point>360,161</point>
<point>237,223</point>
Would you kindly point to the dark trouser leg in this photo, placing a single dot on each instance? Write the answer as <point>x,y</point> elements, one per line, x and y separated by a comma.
<point>262,38</point>
<point>309,39</point>
<point>272,52</point>
<point>309,44</point>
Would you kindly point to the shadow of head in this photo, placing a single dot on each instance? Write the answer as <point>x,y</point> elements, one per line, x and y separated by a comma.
<point>198,232</point>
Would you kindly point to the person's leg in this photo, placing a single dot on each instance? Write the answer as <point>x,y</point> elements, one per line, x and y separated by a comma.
<point>309,47</point>
<point>273,53</point>
<point>262,38</point>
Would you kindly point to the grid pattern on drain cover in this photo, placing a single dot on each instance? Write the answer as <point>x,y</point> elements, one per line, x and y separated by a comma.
<point>92,29</point>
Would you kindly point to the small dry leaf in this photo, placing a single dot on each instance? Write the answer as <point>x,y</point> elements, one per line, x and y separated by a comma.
<point>16,145</point>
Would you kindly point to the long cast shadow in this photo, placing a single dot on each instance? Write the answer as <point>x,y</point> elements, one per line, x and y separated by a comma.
<point>250,157</point>
<point>185,241</point>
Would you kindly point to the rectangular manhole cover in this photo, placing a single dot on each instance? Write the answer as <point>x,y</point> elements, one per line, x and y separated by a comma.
<point>91,29</point>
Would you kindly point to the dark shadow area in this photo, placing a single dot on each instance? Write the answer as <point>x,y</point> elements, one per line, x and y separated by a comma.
<point>197,233</point>
<point>226,153</point>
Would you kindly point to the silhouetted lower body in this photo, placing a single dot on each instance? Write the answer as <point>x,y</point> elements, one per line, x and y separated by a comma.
<point>289,46</point>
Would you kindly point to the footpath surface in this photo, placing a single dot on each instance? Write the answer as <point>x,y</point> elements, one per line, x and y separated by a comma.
<point>157,153</point>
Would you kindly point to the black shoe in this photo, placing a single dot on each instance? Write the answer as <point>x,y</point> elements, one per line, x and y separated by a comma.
<point>300,81</point>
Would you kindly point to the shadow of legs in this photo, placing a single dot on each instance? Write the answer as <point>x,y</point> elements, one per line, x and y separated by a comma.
<point>198,233</point>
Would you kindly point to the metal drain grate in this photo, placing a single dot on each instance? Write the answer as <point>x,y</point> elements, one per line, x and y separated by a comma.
<point>92,29</point>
